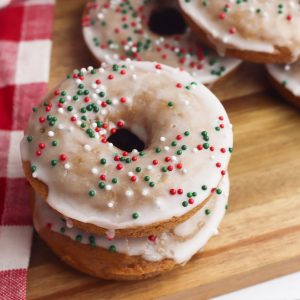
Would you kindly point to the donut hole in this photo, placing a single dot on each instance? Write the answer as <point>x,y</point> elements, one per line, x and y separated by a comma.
<point>126,140</point>
<point>167,21</point>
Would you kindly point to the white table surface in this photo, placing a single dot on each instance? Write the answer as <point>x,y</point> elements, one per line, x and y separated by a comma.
<point>282,288</point>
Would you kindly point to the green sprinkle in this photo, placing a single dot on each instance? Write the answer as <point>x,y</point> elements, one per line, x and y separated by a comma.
<point>114,180</point>
<point>92,193</point>
<point>78,238</point>
<point>54,162</point>
<point>185,203</point>
<point>186,133</point>
<point>138,169</point>
<point>207,211</point>
<point>204,187</point>
<point>29,139</point>
<point>101,185</point>
<point>151,184</point>
<point>135,215</point>
<point>103,161</point>
<point>112,249</point>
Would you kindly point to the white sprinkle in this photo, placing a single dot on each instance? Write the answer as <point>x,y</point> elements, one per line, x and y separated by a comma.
<point>79,122</point>
<point>103,112</point>
<point>78,81</point>
<point>60,126</point>
<point>130,174</point>
<point>134,151</point>
<point>67,166</point>
<point>195,150</point>
<point>110,145</point>
<point>158,203</point>
<point>287,67</point>
<point>149,167</point>
<point>134,76</point>
<point>129,193</point>
<point>212,157</point>
<point>94,171</point>
<point>111,204</point>
<point>103,65</point>
<point>145,192</point>
<point>83,70</point>
<point>108,187</point>
<point>87,147</point>
<point>167,148</point>
<point>186,102</point>
<point>94,125</point>
<point>162,139</point>
<point>90,68</point>
<point>94,86</point>
<point>50,133</point>
<point>69,97</point>
<point>34,175</point>
<point>101,70</point>
<point>61,110</point>
<point>69,223</point>
<point>174,158</point>
<point>184,171</point>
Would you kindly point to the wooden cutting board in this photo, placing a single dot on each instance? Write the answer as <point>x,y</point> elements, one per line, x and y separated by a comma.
<point>260,236</point>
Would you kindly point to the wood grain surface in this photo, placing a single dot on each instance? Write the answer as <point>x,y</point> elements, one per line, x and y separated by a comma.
<point>260,235</point>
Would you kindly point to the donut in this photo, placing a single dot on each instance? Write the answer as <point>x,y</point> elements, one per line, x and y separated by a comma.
<point>286,80</point>
<point>151,31</point>
<point>131,149</point>
<point>130,258</point>
<point>253,30</point>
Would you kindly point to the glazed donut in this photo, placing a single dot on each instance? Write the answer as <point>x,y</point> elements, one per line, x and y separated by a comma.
<point>286,80</point>
<point>151,31</point>
<point>130,258</point>
<point>73,160</point>
<point>255,30</point>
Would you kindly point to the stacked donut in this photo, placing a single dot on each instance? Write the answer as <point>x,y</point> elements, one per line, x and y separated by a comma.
<point>128,164</point>
<point>258,31</point>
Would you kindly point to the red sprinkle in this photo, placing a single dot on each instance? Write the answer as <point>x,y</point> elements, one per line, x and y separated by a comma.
<point>179,166</point>
<point>133,178</point>
<point>180,191</point>
<point>152,238</point>
<point>119,167</point>
<point>172,191</point>
<point>63,157</point>
<point>218,165</point>
<point>191,201</point>
<point>102,177</point>
<point>155,162</point>
<point>170,168</point>
<point>42,145</point>
<point>120,124</point>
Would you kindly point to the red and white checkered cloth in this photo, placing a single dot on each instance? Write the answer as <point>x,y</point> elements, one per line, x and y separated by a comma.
<point>25,46</point>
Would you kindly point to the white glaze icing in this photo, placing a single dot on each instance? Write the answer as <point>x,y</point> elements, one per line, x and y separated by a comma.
<point>287,75</point>
<point>148,108</point>
<point>205,65</point>
<point>180,244</point>
<point>258,25</point>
